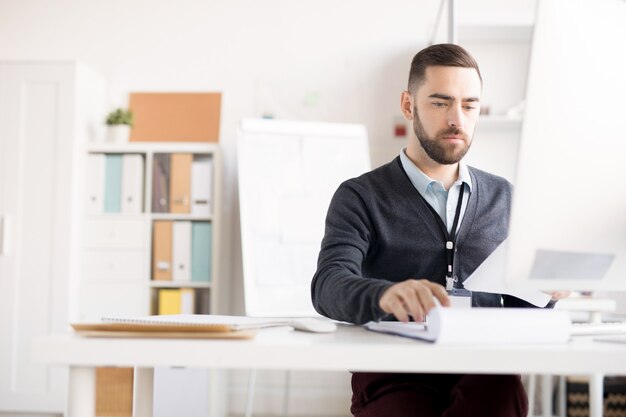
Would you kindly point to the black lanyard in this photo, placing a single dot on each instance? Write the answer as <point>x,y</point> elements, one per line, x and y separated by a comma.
<point>450,238</point>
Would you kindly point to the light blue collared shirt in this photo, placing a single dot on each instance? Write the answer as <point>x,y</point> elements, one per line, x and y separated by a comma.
<point>443,201</point>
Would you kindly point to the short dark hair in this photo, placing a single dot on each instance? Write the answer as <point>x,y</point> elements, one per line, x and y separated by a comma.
<point>443,54</point>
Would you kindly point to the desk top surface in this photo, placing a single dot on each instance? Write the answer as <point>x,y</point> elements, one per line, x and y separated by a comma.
<point>350,348</point>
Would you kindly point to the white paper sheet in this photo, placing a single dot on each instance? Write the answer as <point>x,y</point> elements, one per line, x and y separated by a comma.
<point>503,326</point>
<point>489,277</point>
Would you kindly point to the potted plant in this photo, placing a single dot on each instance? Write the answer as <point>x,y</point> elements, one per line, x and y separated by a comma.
<point>119,123</point>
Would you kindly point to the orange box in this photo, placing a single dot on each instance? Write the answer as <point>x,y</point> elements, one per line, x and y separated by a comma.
<point>175,117</point>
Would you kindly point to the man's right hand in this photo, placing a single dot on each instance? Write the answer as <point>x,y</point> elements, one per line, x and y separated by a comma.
<point>412,297</point>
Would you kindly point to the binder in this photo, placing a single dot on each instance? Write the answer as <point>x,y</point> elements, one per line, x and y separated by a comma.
<point>95,183</point>
<point>161,183</point>
<point>162,250</point>
<point>113,183</point>
<point>169,301</point>
<point>187,301</point>
<point>132,184</point>
<point>180,182</point>
<point>201,252</point>
<point>201,189</point>
<point>181,253</point>
<point>203,301</point>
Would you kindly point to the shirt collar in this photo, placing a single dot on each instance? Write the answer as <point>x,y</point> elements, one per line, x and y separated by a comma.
<point>422,181</point>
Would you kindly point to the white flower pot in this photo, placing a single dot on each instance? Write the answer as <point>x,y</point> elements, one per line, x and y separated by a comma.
<point>118,133</point>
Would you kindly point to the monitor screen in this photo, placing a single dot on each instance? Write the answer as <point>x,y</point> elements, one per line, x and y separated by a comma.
<point>568,221</point>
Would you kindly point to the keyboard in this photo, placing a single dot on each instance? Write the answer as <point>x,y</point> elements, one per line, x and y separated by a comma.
<point>598,329</point>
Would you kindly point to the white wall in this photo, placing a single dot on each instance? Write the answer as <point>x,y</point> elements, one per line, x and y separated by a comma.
<point>329,60</point>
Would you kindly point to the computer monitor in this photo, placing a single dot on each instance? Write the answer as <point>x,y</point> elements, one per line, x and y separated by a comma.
<point>568,221</point>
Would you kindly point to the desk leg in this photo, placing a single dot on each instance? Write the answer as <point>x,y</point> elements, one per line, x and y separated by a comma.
<point>596,395</point>
<point>142,392</point>
<point>81,401</point>
<point>546,395</point>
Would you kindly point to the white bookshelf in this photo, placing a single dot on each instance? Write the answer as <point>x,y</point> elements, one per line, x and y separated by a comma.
<point>122,242</point>
<point>117,263</point>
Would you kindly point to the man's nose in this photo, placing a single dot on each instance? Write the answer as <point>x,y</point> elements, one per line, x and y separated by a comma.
<point>455,117</point>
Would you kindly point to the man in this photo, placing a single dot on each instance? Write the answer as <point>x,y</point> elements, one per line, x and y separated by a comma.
<point>398,235</point>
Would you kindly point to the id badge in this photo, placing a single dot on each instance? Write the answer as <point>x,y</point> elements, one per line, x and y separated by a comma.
<point>460,298</point>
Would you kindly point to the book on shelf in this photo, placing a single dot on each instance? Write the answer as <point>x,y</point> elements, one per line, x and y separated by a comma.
<point>161,183</point>
<point>176,301</point>
<point>201,185</point>
<point>180,182</point>
<point>201,251</point>
<point>181,251</point>
<point>95,183</point>
<point>169,301</point>
<point>187,301</point>
<point>450,326</point>
<point>112,183</point>
<point>132,184</point>
<point>115,183</point>
<point>162,250</point>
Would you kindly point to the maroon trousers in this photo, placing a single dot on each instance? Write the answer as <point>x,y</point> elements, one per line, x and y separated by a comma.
<point>429,395</point>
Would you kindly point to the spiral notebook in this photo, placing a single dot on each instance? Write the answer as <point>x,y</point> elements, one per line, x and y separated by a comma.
<point>178,325</point>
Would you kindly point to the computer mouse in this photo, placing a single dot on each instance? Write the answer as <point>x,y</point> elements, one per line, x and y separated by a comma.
<point>313,325</point>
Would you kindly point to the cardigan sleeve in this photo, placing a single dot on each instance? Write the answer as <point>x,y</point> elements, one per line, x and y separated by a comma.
<point>338,289</point>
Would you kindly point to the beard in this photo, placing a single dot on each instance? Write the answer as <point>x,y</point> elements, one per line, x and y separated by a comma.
<point>437,148</point>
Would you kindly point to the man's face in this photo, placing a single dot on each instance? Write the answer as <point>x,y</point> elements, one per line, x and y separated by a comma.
<point>445,110</point>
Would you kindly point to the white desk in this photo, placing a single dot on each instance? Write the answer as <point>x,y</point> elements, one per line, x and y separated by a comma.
<point>350,348</point>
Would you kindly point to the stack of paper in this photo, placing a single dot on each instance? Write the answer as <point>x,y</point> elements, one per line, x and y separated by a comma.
<point>484,326</point>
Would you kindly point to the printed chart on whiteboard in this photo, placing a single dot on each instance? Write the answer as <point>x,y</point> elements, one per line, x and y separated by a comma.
<point>288,173</point>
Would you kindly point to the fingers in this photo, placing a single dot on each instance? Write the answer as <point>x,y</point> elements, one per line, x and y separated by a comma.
<point>399,310</point>
<point>440,294</point>
<point>414,298</point>
<point>412,301</point>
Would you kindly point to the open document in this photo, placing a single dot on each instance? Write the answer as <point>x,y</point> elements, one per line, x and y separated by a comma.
<point>489,277</point>
<point>504,326</point>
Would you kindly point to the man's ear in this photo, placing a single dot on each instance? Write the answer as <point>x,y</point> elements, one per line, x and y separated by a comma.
<point>406,105</point>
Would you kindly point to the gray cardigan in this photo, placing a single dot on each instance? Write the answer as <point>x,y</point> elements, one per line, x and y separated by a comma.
<point>380,231</point>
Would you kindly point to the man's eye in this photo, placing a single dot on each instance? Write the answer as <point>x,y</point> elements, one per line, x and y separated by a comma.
<point>439,104</point>
<point>469,107</point>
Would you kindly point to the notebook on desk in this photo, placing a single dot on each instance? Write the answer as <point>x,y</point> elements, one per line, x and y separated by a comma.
<point>176,325</point>
<point>195,326</point>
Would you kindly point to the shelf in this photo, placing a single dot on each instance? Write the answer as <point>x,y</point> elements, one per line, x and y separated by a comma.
<point>495,33</point>
<point>180,216</point>
<point>161,147</point>
<point>115,216</point>
<point>179,284</point>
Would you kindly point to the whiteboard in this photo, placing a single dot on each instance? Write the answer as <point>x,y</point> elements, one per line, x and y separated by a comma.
<point>288,172</point>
